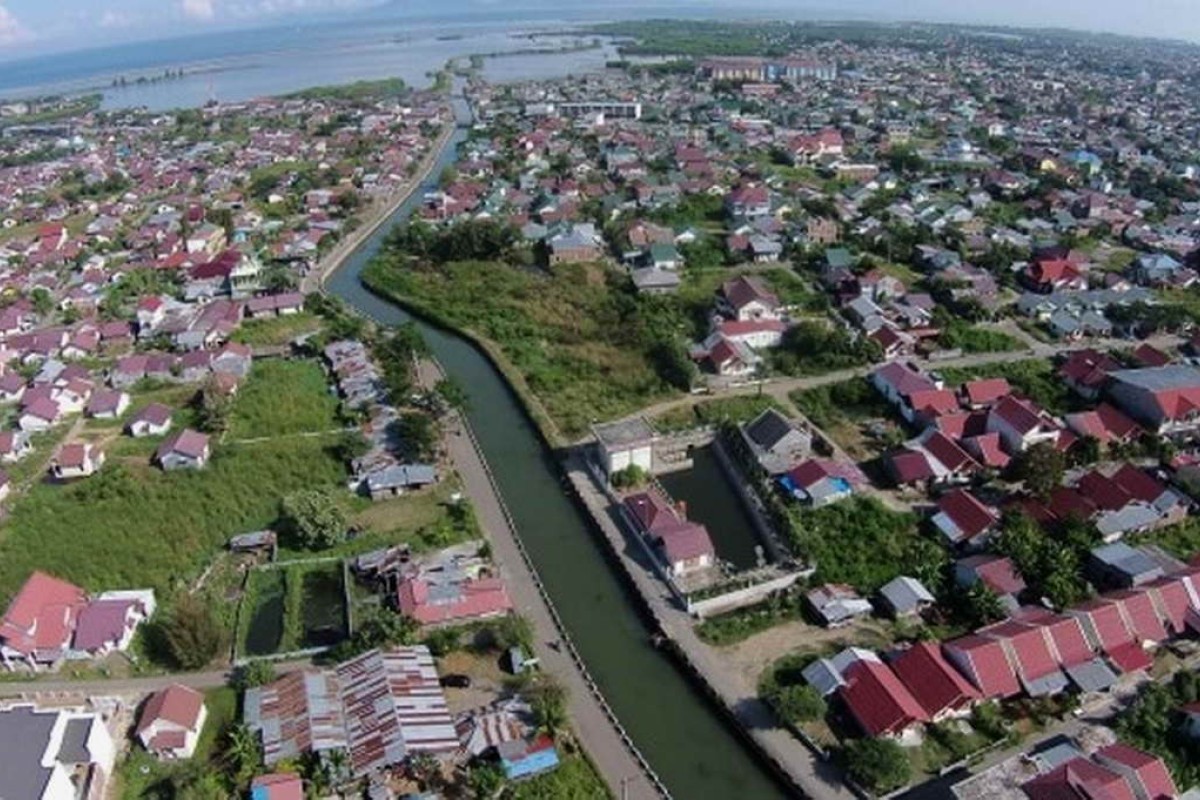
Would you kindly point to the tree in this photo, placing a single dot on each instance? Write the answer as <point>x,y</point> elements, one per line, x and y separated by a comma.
<point>452,393</point>
<point>485,780</point>
<point>417,434</point>
<point>351,445</point>
<point>314,518</point>
<point>255,673</point>
<point>674,367</point>
<point>380,627</point>
<point>278,278</point>
<point>213,406</point>
<point>878,764</point>
<point>242,752</point>
<point>1041,467</point>
<point>43,301</point>
<point>443,641</point>
<point>192,634</point>
<point>549,704</point>
<point>798,703</point>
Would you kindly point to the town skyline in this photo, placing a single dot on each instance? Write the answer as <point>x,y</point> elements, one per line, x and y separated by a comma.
<point>28,29</point>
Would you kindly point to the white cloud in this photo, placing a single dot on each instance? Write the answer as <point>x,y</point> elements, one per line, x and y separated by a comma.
<point>12,31</point>
<point>115,19</point>
<point>199,9</point>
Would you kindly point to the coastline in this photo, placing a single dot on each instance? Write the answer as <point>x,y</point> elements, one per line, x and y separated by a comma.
<point>382,212</point>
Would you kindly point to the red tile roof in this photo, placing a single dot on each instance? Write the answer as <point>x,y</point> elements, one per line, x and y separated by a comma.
<point>933,402</point>
<point>1138,483</point>
<point>953,457</point>
<point>1140,614</point>
<point>985,664</point>
<point>987,448</point>
<point>1026,646</point>
<point>878,700</point>
<point>970,516</point>
<point>935,685</point>
<point>469,599</point>
<point>998,573</point>
<point>1068,644</point>
<point>42,615</point>
<point>910,466</point>
<point>1104,624</point>
<point>176,704</point>
<point>1078,779</point>
<point>1148,770</point>
<point>985,392</point>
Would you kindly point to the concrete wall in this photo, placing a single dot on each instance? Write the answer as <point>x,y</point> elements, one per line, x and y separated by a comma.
<point>739,598</point>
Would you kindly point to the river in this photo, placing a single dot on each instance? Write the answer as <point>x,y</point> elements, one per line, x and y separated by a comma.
<point>681,733</point>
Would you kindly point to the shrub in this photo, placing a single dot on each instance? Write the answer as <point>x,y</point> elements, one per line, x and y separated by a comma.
<point>878,764</point>
<point>313,518</point>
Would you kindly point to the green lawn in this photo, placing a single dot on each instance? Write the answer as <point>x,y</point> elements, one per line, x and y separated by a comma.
<point>281,398</point>
<point>139,527</point>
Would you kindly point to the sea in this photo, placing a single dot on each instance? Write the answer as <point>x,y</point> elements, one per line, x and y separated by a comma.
<point>233,66</point>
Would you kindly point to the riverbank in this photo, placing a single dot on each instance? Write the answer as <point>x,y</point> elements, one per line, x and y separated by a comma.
<point>808,774</point>
<point>379,215</point>
<point>605,741</point>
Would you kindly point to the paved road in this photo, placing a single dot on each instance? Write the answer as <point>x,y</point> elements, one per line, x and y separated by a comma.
<point>816,778</point>
<point>209,679</point>
<point>780,388</point>
<point>593,727</point>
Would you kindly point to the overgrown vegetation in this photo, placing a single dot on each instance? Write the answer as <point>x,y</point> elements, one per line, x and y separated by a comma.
<point>282,398</point>
<point>1154,722</point>
<point>736,626</point>
<point>715,412</point>
<point>847,402</point>
<point>1033,378</point>
<point>864,544</point>
<point>135,528</point>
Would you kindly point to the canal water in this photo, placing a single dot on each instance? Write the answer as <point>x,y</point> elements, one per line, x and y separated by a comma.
<point>713,502</point>
<point>689,745</point>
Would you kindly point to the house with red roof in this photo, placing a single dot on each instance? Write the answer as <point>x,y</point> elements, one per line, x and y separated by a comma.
<point>77,460</point>
<point>1146,774</point>
<point>170,722</point>
<point>746,299</point>
<point>1165,400</point>
<point>1141,614</point>
<point>109,621</point>
<point>1022,424</point>
<point>1106,424</point>
<point>152,420</point>
<point>1107,630</point>
<point>684,546</point>
<point>988,450</point>
<point>878,701</point>
<point>821,481</point>
<point>1028,651</point>
<point>452,600</point>
<point>984,392</point>
<point>1147,355</point>
<point>36,630</point>
<point>898,380</point>
<point>1086,371</point>
<point>186,449</point>
<point>1053,275</point>
<point>963,520</point>
<point>985,664</point>
<point>1079,779</point>
<point>940,689</point>
<point>277,786</point>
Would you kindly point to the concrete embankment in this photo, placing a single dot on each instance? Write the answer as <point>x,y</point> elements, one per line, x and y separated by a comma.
<point>808,774</point>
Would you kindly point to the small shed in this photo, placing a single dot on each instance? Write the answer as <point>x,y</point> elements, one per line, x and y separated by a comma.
<point>625,444</point>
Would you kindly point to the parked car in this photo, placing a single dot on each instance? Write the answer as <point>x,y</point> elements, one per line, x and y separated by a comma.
<point>456,681</point>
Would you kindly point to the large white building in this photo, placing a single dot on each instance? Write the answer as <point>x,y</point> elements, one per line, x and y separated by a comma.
<point>54,754</point>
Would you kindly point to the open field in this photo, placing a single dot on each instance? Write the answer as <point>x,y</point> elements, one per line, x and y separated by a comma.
<point>136,526</point>
<point>282,398</point>
<point>276,331</point>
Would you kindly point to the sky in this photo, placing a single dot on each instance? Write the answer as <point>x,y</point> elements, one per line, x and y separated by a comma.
<point>35,26</point>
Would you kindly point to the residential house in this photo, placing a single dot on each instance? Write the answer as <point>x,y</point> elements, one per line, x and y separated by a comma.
<point>109,621</point>
<point>170,722</point>
<point>746,299</point>
<point>77,460</point>
<point>277,786</point>
<point>984,663</point>
<point>1166,400</point>
<point>939,688</point>
<point>1021,424</point>
<point>997,573</point>
<point>684,547</point>
<point>55,753</point>
<point>36,630</point>
<point>819,482</point>
<point>776,442</point>
<point>905,597</point>
<point>1086,372</point>
<point>14,445</point>
<point>152,420</point>
<point>837,604</point>
<point>963,520</point>
<point>525,758</point>
<point>107,404</point>
<point>878,702</point>
<point>186,449</point>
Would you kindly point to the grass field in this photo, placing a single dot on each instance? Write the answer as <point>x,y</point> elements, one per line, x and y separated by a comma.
<point>575,779</point>
<point>283,398</point>
<point>276,331</point>
<point>139,527</point>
